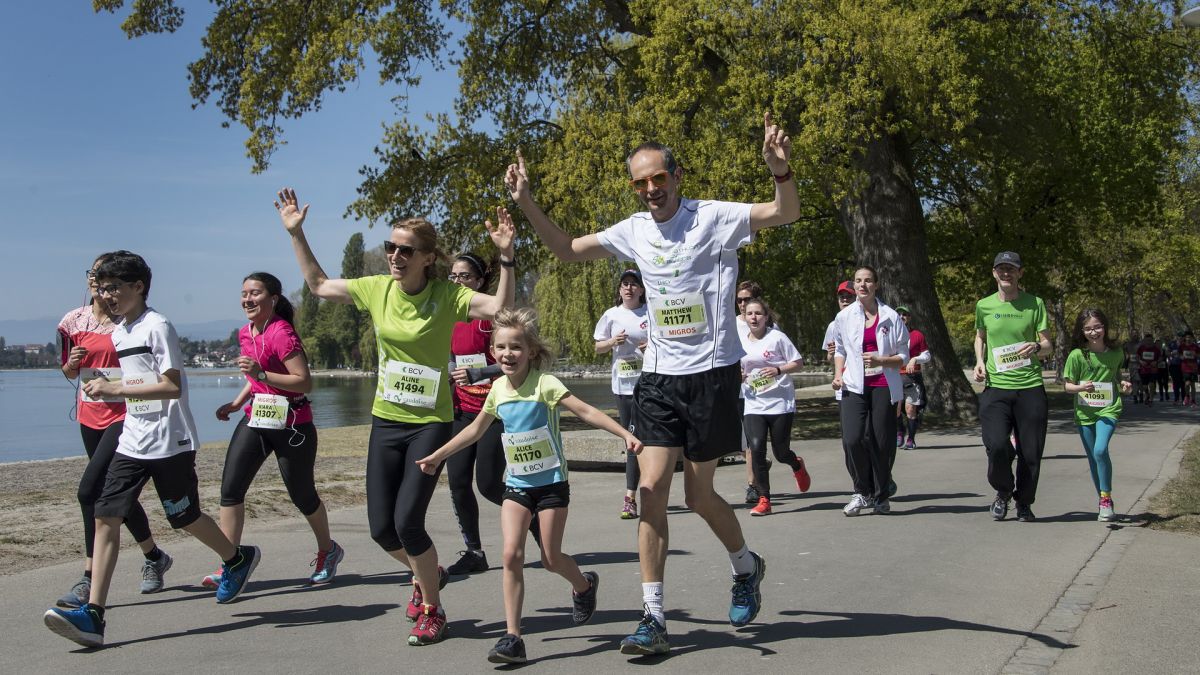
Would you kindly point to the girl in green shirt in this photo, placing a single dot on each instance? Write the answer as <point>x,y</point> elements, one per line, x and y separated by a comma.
<point>1093,374</point>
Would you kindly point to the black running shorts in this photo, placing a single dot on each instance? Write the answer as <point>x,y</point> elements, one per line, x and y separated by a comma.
<point>698,412</point>
<point>174,479</point>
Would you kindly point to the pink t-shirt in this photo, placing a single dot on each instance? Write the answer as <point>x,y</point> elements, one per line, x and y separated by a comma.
<point>277,342</point>
<point>870,344</point>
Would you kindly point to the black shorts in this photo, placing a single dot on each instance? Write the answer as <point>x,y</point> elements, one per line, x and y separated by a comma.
<point>552,496</point>
<point>698,412</point>
<point>174,479</point>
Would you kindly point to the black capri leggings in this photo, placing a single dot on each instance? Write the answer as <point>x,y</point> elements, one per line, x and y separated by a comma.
<point>633,473</point>
<point>398,492</point>
<point>249,448</point>
<point>485,461</point>
<point>101,445</point>
<point>779,427</point>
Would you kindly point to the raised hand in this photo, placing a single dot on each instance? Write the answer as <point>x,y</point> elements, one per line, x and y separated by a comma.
<point>516,179</point>
<point>777,146</point>
<point>289,210</point>
<point>503,232</point>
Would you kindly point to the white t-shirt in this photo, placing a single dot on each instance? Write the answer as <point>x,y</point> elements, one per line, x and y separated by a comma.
<point>626,358</point>
<point>147,348</point>
<point>831,336</point>
<point>690,268</point>
<point>776,395</point>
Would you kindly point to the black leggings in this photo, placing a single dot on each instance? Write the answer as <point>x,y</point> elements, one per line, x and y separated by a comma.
<point>101,445</point>
<point>780,428</point>
<point>633,473</point>
<point>249,448</point>
<point>484,460</point>
<point>869,439</point>
<point>398,492</point>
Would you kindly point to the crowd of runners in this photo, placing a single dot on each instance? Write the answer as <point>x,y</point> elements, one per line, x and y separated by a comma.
<point>700,370</point>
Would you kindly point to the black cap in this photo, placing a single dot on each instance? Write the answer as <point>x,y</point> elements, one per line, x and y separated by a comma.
<point>1007,258</point>
<point>637,276</point>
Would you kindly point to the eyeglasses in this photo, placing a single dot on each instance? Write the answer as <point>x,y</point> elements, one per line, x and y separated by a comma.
<point>641,184</point>
<point>91,274</point>
<point>741,299</point>
<point>460,276</point>
<point>111,289</point>
<point>1093,329</point>
<point>405,251</point>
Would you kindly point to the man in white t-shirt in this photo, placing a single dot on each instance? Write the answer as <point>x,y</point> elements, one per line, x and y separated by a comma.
<point>686,401</point>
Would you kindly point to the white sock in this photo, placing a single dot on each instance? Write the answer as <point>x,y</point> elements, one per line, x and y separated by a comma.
<point>742,561</point>
<point>652,596</point>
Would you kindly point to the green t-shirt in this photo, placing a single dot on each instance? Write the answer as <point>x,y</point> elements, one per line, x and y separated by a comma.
<point>1007,326</point>
<point>1105,370</point>
<point>412,333</point>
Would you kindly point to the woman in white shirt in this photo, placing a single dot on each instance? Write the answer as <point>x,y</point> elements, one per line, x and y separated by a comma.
<point>872,346</point>
<point>622,330</point>
<point>770,399</point>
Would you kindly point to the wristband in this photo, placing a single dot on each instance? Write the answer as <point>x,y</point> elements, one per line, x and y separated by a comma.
<point>785,177</point>
<point>508,263</point>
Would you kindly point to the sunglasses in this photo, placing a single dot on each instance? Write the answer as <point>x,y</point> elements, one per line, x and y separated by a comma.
<point>641,184</point>
<point>746,299</point>
<point>404,250</point>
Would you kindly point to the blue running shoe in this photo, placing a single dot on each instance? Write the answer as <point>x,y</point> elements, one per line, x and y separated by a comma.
<point>746,598</point>
<point>234,578</point>
<point>326,563</point>
<point>650,638</point>
<point>82,626</point>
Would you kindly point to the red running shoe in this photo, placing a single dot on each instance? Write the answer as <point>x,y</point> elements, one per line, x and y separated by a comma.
<point>803,480</point>
<point>430,628</point>
<point>763,508</point>
<point>416,604</point>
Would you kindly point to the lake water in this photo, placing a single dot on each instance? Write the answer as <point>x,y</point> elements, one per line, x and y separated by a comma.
<point>36,407</point>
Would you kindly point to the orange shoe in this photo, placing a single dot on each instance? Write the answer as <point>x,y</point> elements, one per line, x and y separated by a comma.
<point>763,508</point>
<point>803,480</point>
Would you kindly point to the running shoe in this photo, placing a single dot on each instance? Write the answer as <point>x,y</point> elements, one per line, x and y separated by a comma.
<point>154,571</point>
<point>746,596</point>
<point>857,503</point>
<point>892,489</point>
<point>900,438</point>
<point>234,578</point>
<point>82,625</point>
<point>417,603</point>
<point>1000,507</point>
<point>883,507</point>
<point>751,494</point>
<point>583,605</point>
<point>763,508</point>
<point>910,444</point>
<point>78,595</point>
<point>469,562</point>
<point>212,581</point>
<point>629,510</point>
<point>1107,513</point>
<point>508,649</point>
<point>803,480</point>
<point>1025,514</point>
<point>326,564</point>
<point>649,638</point>
<point>430,628</point>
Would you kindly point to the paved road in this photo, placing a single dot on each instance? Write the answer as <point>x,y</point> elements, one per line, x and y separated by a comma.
<point>935,587</point>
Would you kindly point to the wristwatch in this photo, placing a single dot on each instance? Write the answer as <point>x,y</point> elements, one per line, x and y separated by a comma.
<point>261,376</point>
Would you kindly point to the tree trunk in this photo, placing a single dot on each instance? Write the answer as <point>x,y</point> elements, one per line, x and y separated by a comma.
<point>1061,337</point>
<point>1130,318</point>
<point>885,222</point>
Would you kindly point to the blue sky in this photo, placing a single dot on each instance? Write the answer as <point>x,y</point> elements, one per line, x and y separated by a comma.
<point>100,149</point>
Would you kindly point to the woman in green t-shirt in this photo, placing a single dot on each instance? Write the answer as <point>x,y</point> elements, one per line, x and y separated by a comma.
<point>1093,373</point>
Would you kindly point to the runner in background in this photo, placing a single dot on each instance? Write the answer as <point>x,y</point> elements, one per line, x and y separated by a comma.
<point>1148,355</point>
<point>746,291</point>
<point>1189,366</point>
<point>908,413</point>
<point>1164,374</point>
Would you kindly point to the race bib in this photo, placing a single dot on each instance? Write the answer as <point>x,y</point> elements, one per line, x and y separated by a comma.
<point>1006,357</point>
<point>137,406</point>
<point>1147,356</point>
<point>1189,354</point>
<point>529,452</point>
<point>269,411</point>
<point>629,367</point>
<point>761,384</point>
<point>89,374</point>
<point>872,372</point>
<point>470,361</point>
<point>1101,398</point>
<point>411,384</point>
<point>679,316</point>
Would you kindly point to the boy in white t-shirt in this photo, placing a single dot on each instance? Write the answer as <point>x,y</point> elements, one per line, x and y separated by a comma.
<point>686,400</point>
<point>158,442</point>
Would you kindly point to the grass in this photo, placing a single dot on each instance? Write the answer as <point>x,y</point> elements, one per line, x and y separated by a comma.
<point>1177,507</point>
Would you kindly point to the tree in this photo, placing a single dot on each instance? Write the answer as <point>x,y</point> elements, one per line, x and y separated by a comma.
<point>928,134</point>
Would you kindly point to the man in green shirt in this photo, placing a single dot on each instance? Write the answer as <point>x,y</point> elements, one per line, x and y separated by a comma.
<point>1011,333</point>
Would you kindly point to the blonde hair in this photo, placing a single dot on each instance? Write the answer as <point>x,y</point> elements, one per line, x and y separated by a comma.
<point>427,241</point>
<point>525,320</point>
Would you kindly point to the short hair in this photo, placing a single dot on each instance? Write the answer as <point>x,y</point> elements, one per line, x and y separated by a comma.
<point>754,287</point>
<point>667,153</point>
<point>128,267</point>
